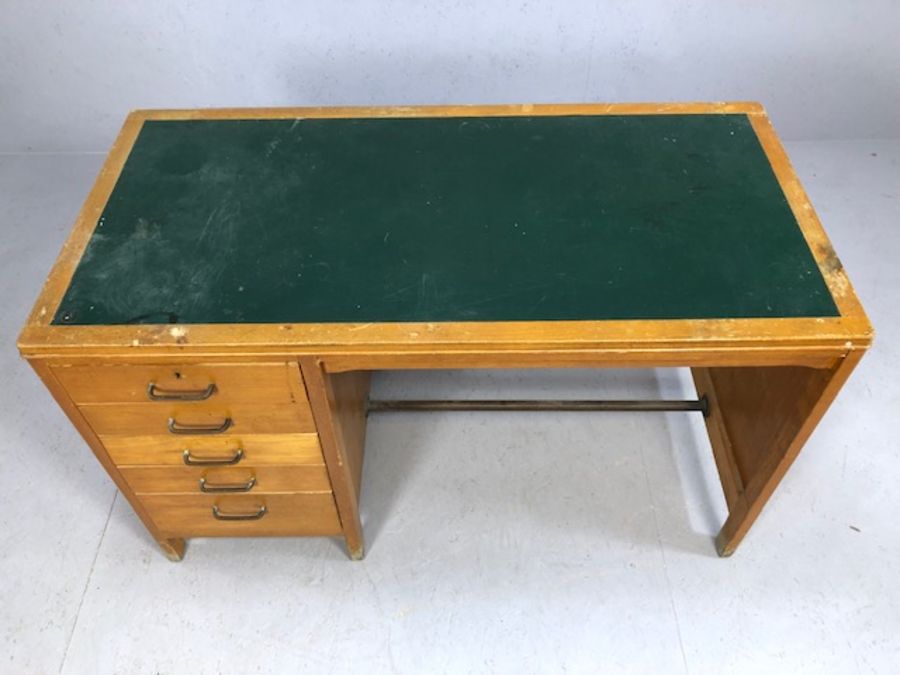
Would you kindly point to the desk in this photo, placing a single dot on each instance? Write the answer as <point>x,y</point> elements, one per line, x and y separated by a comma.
<point>235,276</point>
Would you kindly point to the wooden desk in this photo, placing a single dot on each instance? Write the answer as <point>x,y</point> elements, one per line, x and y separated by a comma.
<point>235,275</point>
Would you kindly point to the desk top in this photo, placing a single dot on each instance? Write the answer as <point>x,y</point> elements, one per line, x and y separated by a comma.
<point>528,218</point>
<point>591,221</point>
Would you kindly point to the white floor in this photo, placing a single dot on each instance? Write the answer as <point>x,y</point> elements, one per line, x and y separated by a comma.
<point>506,543</point>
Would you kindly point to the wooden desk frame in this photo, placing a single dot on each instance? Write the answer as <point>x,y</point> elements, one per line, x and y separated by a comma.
<point>769,381</point>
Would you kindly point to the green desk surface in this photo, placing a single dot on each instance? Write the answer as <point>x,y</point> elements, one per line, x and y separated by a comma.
<point>445,219</point>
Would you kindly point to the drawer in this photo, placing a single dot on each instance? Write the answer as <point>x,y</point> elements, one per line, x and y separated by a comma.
<point>256,449</point>
<point>284,514</point>
<point>210,418</point>
<point>217,480</point>
<point>223,383</point>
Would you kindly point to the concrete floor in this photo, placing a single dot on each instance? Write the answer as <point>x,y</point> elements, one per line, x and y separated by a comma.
<point>504,543</point>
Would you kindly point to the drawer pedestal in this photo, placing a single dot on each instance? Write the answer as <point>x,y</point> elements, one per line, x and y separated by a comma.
<point>214,449</point>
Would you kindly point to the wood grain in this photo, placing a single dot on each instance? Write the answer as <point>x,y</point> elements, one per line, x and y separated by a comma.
<point>287,515</point>
<point>258,449</point>
<point>338,451</point>
<point>688,340</point>
<point>186,479</point>
<point>135,419</point>
<point>478,110</point>
<point>173,549</point>
<point>723,452</point>
<point>120,383</point>
<point>769,415</point>
<point>350,396</point>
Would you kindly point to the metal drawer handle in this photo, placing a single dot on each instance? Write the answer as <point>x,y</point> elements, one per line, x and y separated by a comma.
<point>177,427</point>
<point>218,515</point>
<point>190,460</point>
<point>225,487</point>
<point>154,393</point>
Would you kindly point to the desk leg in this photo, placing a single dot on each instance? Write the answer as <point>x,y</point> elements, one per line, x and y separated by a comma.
<point>173,548</point>
<point>759,419</point>
<point>338,403</point>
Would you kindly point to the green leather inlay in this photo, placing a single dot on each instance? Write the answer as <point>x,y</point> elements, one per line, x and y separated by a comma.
<point>453,219</point>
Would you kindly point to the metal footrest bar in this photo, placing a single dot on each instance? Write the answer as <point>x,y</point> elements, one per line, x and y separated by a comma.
<point>698,405</point>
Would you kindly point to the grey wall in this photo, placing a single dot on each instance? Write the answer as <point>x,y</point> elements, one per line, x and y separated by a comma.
<point>69,71</point>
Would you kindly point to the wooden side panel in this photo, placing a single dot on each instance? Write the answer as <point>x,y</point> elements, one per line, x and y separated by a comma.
<point>763,408</point>
<point>351,396</point>
<point>723,452</point>
<point>339,409</point>
<point>767,415</point>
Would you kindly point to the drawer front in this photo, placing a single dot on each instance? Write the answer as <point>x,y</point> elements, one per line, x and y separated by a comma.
<point>227,480</point>
<point>222,383</point>
<point>255,449</point>
<point>285,514</point>
<point>203,418</point>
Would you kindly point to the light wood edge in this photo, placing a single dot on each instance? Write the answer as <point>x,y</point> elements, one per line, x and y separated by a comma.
<point>39,339</point>
<point>173,548</point>
<point>633,356</point>
<point>767,477</point>
<point>322,400</point>
<point>809,336</point>
<point>726,464</point>
<point>829,264</point>
<point>497,356</point>
<point>476,110</point>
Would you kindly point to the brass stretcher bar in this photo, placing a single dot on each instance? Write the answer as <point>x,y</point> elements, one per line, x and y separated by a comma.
<point>543,405</point>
